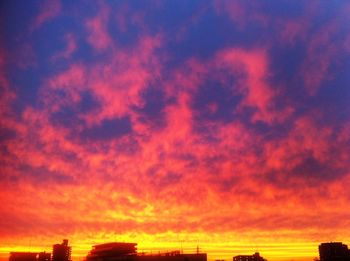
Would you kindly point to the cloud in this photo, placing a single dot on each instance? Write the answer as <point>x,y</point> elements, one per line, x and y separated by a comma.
<point>48,11</point>
<point>176,164</point>
<point>108,129</point>
<point>97,28</point>
<point>241,13</point>
<point>71,47</point>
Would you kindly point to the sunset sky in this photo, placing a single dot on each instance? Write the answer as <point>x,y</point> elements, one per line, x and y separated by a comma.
<point>222,124</point>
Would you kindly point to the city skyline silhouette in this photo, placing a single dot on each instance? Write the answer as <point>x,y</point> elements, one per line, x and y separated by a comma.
<point>126,251</point>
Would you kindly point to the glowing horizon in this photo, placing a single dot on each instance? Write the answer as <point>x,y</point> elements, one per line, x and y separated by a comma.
<point>223,124</point>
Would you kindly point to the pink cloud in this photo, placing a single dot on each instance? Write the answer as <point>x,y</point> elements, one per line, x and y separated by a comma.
<point>71,47</point>
<point>321,53</point>
<point>293,30</point>
<point>251,71</point>
<point>8,95</point>
<point>117,85</point>
<point>298,28</point>
<point>322,50</point>
<point>291,155</point>
<point>125,17</point>
<point>48,11</point>
<point>97,29</point>
<point>72,82</point>
<point>257,92</point>
<point>241,13</point>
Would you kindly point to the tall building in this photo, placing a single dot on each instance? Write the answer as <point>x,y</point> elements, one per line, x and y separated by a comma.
<point>334,251</point>
<point>61,252</point>
<point>255,257</point>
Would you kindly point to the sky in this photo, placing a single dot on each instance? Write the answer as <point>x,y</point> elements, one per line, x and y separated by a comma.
<point>222,124</point>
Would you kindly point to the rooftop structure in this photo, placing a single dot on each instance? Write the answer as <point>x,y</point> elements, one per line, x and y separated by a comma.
<point>173,256</point>
<point>255,257</point>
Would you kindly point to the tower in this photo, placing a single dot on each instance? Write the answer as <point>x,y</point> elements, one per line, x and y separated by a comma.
<point>61,252</point>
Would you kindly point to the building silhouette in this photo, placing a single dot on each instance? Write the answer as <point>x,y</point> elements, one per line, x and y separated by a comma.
<point>43,256</point>
<point>29,256</point>
<point>255,257</point>
<point>127,252</point>
<point>112,251</point>
<point>173,256</point>
<point>61,252</point>
<point>23,256</point>
<point>334,251</point>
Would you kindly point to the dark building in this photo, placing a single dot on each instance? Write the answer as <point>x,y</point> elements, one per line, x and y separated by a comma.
<point>127,252</point>
<point>173,256</point>
<point>43,256</point>
<point>334,251</point>
<point>23,256</point>
<point>61,252</point>
<point>29,256</point>
<point>112,251</point>
<point>255,257</point>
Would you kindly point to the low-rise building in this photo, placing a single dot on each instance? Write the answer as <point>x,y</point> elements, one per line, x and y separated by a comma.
<point>128,252</point>
<point>255,257</point>
<point>23,256</point>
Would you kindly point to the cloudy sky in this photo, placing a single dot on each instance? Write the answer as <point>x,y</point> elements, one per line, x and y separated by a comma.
<point>223,124</point>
